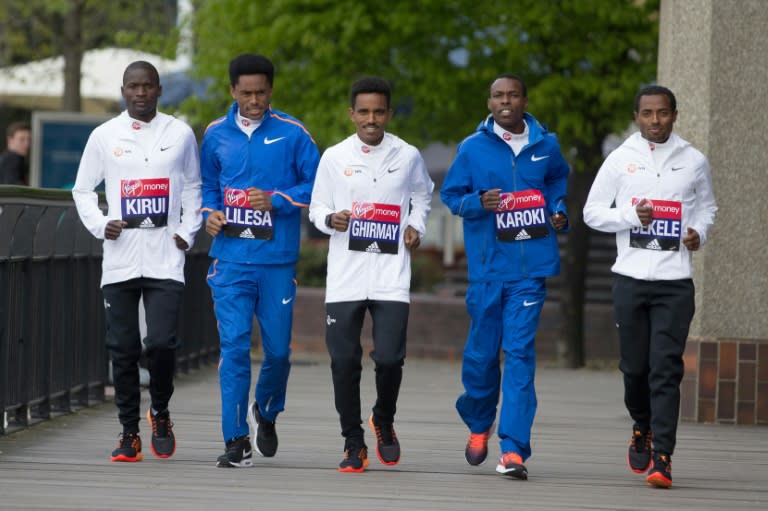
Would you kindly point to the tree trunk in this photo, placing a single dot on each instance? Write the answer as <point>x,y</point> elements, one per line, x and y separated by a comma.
<point>570,342</point>
<point>73,57</point>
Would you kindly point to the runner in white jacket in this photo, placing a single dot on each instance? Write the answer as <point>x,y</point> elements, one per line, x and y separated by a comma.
<point>372,194</point>
<point>149,164</point>
<point>655,193</point>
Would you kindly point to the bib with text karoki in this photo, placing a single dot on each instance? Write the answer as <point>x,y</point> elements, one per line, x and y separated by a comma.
<point>521,216</point>
<point>144,202</point>
<point>663,233</point>
<point>242,220</point>
<point>374,227</point>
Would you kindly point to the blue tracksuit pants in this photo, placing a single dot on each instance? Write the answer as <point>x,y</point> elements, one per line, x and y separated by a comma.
<point>239,292</point>
<point>504,316</point>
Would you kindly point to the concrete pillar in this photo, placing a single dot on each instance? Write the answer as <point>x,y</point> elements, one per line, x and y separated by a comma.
<point>713,54</point>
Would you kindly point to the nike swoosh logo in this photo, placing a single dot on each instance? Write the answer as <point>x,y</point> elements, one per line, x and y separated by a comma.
<point>246,453</point>
<point>677,168</point>
<point>534,158</point>
<point>393,170</point>
<point>286,301</point>
<point>268,140</point>
<point>165,148</point>
<point>526,303</point>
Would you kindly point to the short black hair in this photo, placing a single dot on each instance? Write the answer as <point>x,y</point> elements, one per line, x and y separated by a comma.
<point>250,64</point>
<point>655,90</point>
<point>511,77</point>
<point>16,126</point>
<point>370,84</point>
<point>142,64</point>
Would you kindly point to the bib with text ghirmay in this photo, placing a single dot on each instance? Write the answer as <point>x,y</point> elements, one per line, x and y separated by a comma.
<point>374,227</point>
<point>663,233</point>
<point>144,202</point>
<point>242,220</point>
<point>521,216</point>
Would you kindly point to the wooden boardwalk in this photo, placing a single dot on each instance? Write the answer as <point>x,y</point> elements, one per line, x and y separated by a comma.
<point>579,443</point>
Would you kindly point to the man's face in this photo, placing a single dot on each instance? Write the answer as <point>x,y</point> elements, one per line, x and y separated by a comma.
<point>252,93</point>
<point>370,115</point>
<point>19,142</point>
<point>655,118</point>
<point>507,104</point>
<point>141,89</point>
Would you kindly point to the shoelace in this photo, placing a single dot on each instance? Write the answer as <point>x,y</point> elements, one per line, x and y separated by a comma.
<point>349,452</point>
<point>511,457</point>
<point>640,445</point>
<point>385,435</point>
<point>161,425</point>
<point>129,440</point>
<point>477,440</point>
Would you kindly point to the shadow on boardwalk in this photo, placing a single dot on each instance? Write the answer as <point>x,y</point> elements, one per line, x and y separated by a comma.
<point>579,444</point>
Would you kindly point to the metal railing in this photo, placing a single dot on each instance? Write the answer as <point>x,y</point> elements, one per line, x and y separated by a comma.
<point>52,354</point>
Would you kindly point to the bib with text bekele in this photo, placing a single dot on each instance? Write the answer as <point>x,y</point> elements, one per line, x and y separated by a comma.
<point>374,227</point>
<point>663,233</point>
<point>242,220</point>
<point>144,202</point>
<point>521,216</point>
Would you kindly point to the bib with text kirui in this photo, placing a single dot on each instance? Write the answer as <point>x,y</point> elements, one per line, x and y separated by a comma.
<point>663,233</point>
<point>144,202</point>
<point>521,216</point>
<point>374,227</point>
<point>242,220</point>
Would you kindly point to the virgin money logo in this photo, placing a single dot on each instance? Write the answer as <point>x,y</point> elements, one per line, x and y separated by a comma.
<point>132,187</point>
<point>365,210</point>
<point>236,198</point>
<point>507,201</point>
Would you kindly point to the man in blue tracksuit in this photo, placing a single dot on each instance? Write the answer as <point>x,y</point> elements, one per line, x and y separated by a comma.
<point>258,166</point>
<point>508,182</point>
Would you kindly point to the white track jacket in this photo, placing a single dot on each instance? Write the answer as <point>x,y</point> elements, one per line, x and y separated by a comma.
<point>400,181</point>
<point>114,156</point>
<point>683,181</point>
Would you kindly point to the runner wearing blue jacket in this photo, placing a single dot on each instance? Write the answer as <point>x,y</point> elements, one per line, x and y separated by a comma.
<point>508,183</point>
<point>258,166</point>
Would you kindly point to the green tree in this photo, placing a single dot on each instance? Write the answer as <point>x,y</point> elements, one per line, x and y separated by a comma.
<point>33,29</point>
<point>582,59</point>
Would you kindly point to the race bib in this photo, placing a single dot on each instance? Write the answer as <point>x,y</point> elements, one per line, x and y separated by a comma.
<point>374,228</point>
<point>144,202</point>
<point>242,220</point>
<point>663,233</point>
<point>521,216</point>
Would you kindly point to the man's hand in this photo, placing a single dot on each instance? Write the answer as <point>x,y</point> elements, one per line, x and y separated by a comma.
<point>490,199</point>
<point>644,210</point>
<point>180,243</point>
<point>259,199</point>
<point>411,238</point>
<point>340,220</point>
<point>114,228</point>
<point>692,241</point>
<point>559,221</point>
<point>215,223</point>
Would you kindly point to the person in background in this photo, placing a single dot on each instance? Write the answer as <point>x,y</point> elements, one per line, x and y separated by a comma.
<point>12,161</point>
<point>149,164</point>
<point>655,192</point>
<point>258,166</point>
<point>508,183</point>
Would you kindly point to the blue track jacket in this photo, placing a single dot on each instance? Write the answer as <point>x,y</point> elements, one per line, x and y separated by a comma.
<point>281,157</point>
<point>483,162</point>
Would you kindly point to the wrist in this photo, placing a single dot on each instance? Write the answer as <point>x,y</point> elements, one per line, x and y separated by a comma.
<point>329,220</point>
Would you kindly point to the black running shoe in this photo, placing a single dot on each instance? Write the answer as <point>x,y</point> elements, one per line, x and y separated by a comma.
<point>387,446</point>
<point>163,441</point>
<point>128,448</point>
<point>355,457</point>
<point>511,464</point>
<point>639,452</point>
<point>238,454</point>
<point>660,475</point>
<point>264,431</point>
<point>476,449</point>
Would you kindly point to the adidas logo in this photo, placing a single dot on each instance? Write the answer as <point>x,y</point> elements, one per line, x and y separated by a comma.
<point>247,234</point>
<point>147,222</point>
<point>522,235</point>
<point>373,247</point>
<point>653,245</point>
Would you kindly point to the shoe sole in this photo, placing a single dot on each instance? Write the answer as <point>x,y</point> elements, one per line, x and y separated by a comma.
<point>231,464</point>
<point>151,445</point>
<point>352,470</point>
<point>251,418</point>
<point>656,480</point>
<point>518,472</point>
<point>128,459</point>
<point>378,454</point>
